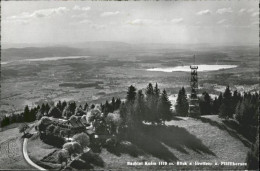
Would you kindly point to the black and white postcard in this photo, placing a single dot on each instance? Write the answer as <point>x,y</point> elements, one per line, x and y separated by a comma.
<point>129,85</point>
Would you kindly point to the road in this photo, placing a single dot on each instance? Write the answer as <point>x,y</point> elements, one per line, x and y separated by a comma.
<point>26,156</point>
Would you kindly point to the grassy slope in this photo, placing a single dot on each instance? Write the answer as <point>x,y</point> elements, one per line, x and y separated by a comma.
<point>12,159</point>
<point>187,139</point>
<point>225,147</point>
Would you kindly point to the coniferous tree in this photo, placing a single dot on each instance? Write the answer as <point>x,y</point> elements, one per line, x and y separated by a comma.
<point>27,114</point>
<point>43,108</point>
<point>205,104</point>
<point>235,99</point>
<point>164,107</point>
<point>59,106</point>
<point>139,108</point>
<point>106,108</point>
<point>86,106</point>
<point>131,93</point>
<point>118,103</point>
<point>151,104</point>
<point>215,106</point>
<point>226,105</point>
<point>47,108</point>
<point>64,104</point>
<point>182,105</point>
<point>156,91</point>
<point>113,104</point>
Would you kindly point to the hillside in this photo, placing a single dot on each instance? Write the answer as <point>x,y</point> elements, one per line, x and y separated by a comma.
<point>184,139</point>
<point>11,150</point>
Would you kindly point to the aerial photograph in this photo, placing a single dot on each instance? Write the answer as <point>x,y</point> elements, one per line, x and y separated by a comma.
<point>129,85</point>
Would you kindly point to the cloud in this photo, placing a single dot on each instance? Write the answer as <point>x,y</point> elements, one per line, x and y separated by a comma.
<point>242,10</point>
<point>85,22</point>
<point>143,22</point>
<point>106,14</point>
<point>177,20</point>
<point>204,12</point>
<point>221,21</point>
<point>224,10</point>
<point>97,26</point>
<point>78,8</point>
<point>16,21</point>
<point>40,13</point>
<point>250,10</point>
<point>255,14</point>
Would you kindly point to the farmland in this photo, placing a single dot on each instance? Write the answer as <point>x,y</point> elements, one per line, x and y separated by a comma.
<point>109,71</point>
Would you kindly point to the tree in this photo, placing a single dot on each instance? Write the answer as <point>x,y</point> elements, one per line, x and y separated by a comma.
<point>63,105</point>
<point>23,127</point>
<point>27,114</point>
<point>59,106</point>
<point>139,108</point>
<point>72,107</point>
<point>113,104</point>
<point>73,148</point>
<point>56,131</point>
<point>151,115</point>
<point>82,139</point>
<point>63,156</point>
<point>86,106</point>
<point>118,103</point>
<point>205,104</point>
<point>226,106</point>
<point>42,110</point>
<point>55,112</point>
<point>131,94</point>
<point>67,112</point>
<point>50,129</point>
<point>164,107</point>
<point>182,105</point>
<point>252,158</point>
<point>106,108</point>
<point>47,108</point>
<point>113,121</point>
<point>79,111</point>
<point>215,107</point>
<point>156,91</point>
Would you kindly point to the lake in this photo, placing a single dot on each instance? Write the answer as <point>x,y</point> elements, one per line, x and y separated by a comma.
<point>45,59</point>
<point>186,68</point>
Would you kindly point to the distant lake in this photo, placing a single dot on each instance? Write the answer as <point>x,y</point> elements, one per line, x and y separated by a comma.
<point>186,68</point>
<point>45,59</point>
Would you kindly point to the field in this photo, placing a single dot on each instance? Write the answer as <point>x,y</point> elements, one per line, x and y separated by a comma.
<point>109,69</point>
<point>184,139</point>
<point>11,150</point>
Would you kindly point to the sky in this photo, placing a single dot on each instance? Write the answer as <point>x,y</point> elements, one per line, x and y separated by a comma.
<point>181,22</point>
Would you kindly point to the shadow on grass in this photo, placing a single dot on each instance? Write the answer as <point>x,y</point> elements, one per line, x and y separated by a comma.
<point>248,132</point>
<point>177,138</point>
<point>226,127</point>
<point>154,140</point>
<point>27,135</point>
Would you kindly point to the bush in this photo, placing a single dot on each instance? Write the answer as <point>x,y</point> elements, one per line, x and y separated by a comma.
<point>92,158</point>
<point>82,139</point>
<point>73,148</point>
<point>23,127</point>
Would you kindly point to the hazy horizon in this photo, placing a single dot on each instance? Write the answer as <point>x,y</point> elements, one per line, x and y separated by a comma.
<point>141,22</point>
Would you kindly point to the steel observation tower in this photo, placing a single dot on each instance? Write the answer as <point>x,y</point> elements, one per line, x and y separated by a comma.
<point>194,101</point>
